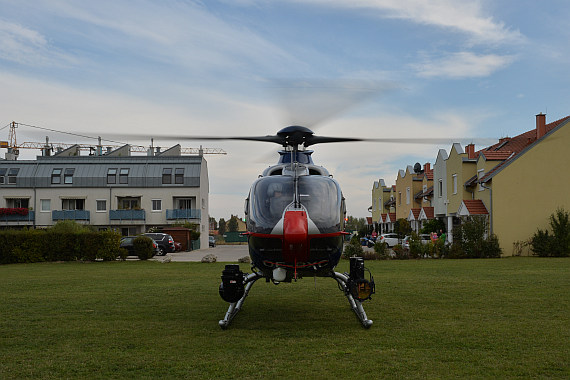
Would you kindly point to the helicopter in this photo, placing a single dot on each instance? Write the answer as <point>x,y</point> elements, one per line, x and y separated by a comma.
<point>295,215</point>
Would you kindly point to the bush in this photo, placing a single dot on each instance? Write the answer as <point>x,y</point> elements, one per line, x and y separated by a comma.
<point>353,248</point>
<point>64,243</point>
<point>400,253</point>
<point>470,240</point>
<point>555,245</point>
<point>143,247</point>
<point>381,250</point>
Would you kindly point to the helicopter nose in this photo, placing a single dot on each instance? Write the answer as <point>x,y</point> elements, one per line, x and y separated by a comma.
<point>295,239</point>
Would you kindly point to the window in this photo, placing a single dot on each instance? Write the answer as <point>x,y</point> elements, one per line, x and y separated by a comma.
<point>129,203</point>
<point>101,205</point>
<point>112,176</point>
<point>166,176</point>
<point>480,173</point>
<point>399,198</point>
<point>184,203</point>
<point>45,205</point>
<point>124,176</point>
<point>12,173</point>
<point>179,175</point>
<point>73,204</point>
<point>56,176</point>
<point>407,195</point>
<point>17,202</point>
<point>68,175</point>
<point>2,175</point>
<point>157,205</point>
<point>440,188</point>
<point>454,184</point>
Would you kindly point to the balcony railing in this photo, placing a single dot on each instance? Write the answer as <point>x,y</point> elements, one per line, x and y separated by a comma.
<point>127,215</point>
<point>18,218</point>
<point>70,215</point>
<point>189,213</point>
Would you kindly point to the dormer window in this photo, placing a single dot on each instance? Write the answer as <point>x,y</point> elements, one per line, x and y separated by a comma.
<point>179,175</point>
<point>111,176</point>
<point>56,176</point>
<point>2,175</point>
<point>68,176</point>
<point>12,173</point>
<point>166,176</point>
<point>124,176</point>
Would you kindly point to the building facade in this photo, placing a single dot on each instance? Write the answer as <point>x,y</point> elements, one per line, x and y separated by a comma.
<point>126,193</point>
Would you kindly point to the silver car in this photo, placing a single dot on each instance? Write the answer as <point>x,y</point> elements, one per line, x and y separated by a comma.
<point>390,239</point>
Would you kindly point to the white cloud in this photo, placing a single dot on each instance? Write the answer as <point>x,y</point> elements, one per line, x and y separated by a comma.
<point>463,65</point>
<point>466,16</point>
<point>27,46</point>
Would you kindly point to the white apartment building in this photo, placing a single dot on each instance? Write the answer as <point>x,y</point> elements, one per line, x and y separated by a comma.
<point>115,190</point>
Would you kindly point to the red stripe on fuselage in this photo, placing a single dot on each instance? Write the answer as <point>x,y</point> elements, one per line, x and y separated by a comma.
<point>295,236</point>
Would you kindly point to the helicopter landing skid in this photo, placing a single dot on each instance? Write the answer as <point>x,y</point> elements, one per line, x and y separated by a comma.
<point>340,278</point>
<point>234,307</point>
<point>355,304</point>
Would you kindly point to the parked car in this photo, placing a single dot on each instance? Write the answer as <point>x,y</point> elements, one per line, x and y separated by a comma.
<point>390,239</point>
<point>127,242</point>
<point>165,242</point>
<point>211,241</point>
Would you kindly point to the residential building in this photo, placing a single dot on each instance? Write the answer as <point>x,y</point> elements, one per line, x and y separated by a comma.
<point>115,190</point>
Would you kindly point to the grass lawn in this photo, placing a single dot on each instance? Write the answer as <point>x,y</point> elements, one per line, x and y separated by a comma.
<point>500,318</point>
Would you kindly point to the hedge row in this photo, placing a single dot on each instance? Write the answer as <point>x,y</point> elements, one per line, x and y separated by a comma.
<point>28,246</point>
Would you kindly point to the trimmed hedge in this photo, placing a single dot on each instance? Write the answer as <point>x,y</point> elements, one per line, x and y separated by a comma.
<point>29,246</point>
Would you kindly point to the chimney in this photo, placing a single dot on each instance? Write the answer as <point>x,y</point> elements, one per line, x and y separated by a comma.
<point>540,125</point>
<point>427,167</point>
<point>470,150</point>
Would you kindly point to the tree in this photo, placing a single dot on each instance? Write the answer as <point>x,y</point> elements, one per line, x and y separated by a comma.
<point>233,225</point>
<point>213,222</point>
<point>222,226</point>
<point>557,244</point>
<point>433,225</point>
<point>402,228</point>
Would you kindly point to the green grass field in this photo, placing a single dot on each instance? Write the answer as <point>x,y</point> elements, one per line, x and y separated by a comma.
<point>501,318</point>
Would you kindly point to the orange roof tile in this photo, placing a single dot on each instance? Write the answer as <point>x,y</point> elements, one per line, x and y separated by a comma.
<point>475,207</point>
<point>428,211</point>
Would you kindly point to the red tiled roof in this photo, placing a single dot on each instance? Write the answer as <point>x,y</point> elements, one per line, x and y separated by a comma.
<point>416,212</point>
<point>515,145</point>
<point>392,216</point>
<point>471,181</point>
<point>475,206</point>
<point>494,155</point>
<point>428,211</point>
<point>369,220</point>
<point>383,218</point>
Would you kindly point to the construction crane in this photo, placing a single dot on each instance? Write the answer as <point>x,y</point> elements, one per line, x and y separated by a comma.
<point>47,147</point>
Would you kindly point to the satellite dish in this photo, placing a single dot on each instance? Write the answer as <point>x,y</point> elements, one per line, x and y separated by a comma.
<point>418,168</point>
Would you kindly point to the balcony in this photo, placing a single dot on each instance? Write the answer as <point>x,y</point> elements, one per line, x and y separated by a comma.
<point>18,218</point>
<point>127,215</point>
<point>185,213</point>
<point>70,215</point>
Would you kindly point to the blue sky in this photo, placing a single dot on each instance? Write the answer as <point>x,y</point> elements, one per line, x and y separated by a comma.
<point>446,68</point>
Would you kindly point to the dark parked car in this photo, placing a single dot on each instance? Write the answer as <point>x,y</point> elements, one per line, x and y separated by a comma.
<point>127,243</point>
<point>165,242</point>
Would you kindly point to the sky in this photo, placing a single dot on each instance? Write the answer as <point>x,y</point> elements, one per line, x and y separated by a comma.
<point>462,70</point>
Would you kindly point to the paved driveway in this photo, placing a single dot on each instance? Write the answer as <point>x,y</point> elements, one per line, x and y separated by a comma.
<point>224,253</point>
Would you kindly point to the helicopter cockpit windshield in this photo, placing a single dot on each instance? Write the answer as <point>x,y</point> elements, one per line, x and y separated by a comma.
<point>270,196</point>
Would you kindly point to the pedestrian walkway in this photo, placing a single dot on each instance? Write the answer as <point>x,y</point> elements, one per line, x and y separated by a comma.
<point>223,253</point>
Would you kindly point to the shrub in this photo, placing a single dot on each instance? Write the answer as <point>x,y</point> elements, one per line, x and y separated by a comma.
<point>353,248</point>
<point>381,250</point>
<point>143,247</point>
<point>470,240</point>
<point>400,252</point>
<point>555,245</point>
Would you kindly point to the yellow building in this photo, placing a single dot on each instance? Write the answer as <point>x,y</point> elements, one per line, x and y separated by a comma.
<point>380,197</point>
<point>527,187</point>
